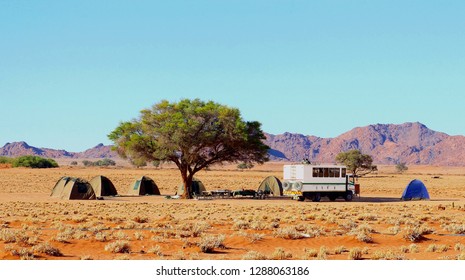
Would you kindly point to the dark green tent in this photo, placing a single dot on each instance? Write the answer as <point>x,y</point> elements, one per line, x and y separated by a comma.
<point>73,188</point>
<point>271,185</point>
<point>197,188</point>
<point>144,186</point>
<point>103,186</point>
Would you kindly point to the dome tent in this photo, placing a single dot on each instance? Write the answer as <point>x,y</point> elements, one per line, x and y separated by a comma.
<point>271,185</point>
<point>73,188</point>
<point>103,186</point>
<point>197,187</point>
<point>144,186</point>
<point>415,190</point>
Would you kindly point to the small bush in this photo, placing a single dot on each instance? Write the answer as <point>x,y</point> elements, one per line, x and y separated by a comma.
<point>254,255</point>
<point>47,249</point>
<point>209,243</point>
<point>413,234</point>
<point>118,247</point>
<point>288,233</point>
<point>280,254</point>
<point>156,250</point>
<point>310,254</point>
<point>355,254</point>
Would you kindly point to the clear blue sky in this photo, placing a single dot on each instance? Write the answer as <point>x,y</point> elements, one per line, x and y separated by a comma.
<point>70,71</point>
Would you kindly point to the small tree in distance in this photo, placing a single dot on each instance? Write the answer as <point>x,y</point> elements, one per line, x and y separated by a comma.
<point>401,167</point>
<point>357,163</point>
<point>193,134</point>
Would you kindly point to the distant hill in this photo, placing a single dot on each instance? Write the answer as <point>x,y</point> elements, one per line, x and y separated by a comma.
<point>16,149</point>
<point>412,143</point>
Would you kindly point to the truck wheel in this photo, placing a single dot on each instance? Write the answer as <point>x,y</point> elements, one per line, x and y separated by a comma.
<point>316,197</point>
<point>348,196</point>
<point>332,197</point>
<point>301,198</point>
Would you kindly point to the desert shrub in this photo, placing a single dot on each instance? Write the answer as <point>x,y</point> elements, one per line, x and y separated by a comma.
<point>241,224</point>
<point>138,235</point>
<point>256,237</point>
<point>288,233</point>
<point>437,248</point>
<point>140,220</point>
<point>455,228</point>
<point>254,255</point>
<point>22,253</point>
<point>414,234</point>
<point>323,253</point>
<point>156,250</point>
<point>34,162</point>
<point>73,163</point>
<point>209,243</point>
<point>8,235</point>
<point>46,248</point>
<point>401,167</point>
<point>355,254</point>
<point>280,254</point>
<point>413,248</point>
<point>118,247</point>
<point>339,250</point>
<point>387,255</point>
<point>6,160</point>
<point>87,163</point>
<point>459,247</point>
<point>245,165</point>
<point>310,254</point>
<point>101,236</point>
<point>105,162</point>
<point>101,162</point>
<point>364,237</point>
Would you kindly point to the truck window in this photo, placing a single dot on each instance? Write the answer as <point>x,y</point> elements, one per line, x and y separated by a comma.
<point>343,172</point>
<point>326,172</point>
<point>334,172</point>
<point>315,172</point>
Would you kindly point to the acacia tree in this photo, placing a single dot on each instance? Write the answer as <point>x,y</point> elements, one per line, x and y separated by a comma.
<point>191,133</point>
<point>356,162</point>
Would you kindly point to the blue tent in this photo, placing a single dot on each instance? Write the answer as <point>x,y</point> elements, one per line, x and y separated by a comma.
<point>415,190</point>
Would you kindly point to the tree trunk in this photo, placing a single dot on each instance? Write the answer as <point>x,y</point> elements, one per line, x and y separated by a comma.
<point>187,181</point>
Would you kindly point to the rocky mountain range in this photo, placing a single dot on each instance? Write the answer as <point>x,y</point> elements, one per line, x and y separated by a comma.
<point>412,143</point>
<point>16,149</point>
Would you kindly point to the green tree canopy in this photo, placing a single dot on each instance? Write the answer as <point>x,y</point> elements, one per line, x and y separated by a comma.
<point>356,162</point>
<point>191,133</point>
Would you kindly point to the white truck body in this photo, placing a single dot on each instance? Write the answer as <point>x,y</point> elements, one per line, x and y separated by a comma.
<point>315,181</point>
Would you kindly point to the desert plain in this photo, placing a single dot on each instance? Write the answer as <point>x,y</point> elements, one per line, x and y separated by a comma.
<point>375,226</point>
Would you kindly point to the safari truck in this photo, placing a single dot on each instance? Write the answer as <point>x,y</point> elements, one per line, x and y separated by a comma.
<point>307,181</point>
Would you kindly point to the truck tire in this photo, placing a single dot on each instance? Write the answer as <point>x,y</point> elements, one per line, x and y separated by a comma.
<point>316,197</point>
<point>301,198</point>
<point>348,196</point>
<point>332,197</point>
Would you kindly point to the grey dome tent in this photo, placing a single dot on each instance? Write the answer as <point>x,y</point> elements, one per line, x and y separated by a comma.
<point>73,188</point>
<point>103,186</point>
<point>271,185</point>
<point>197,187</point>
<point>415,190</point>
<point>144,186</point>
